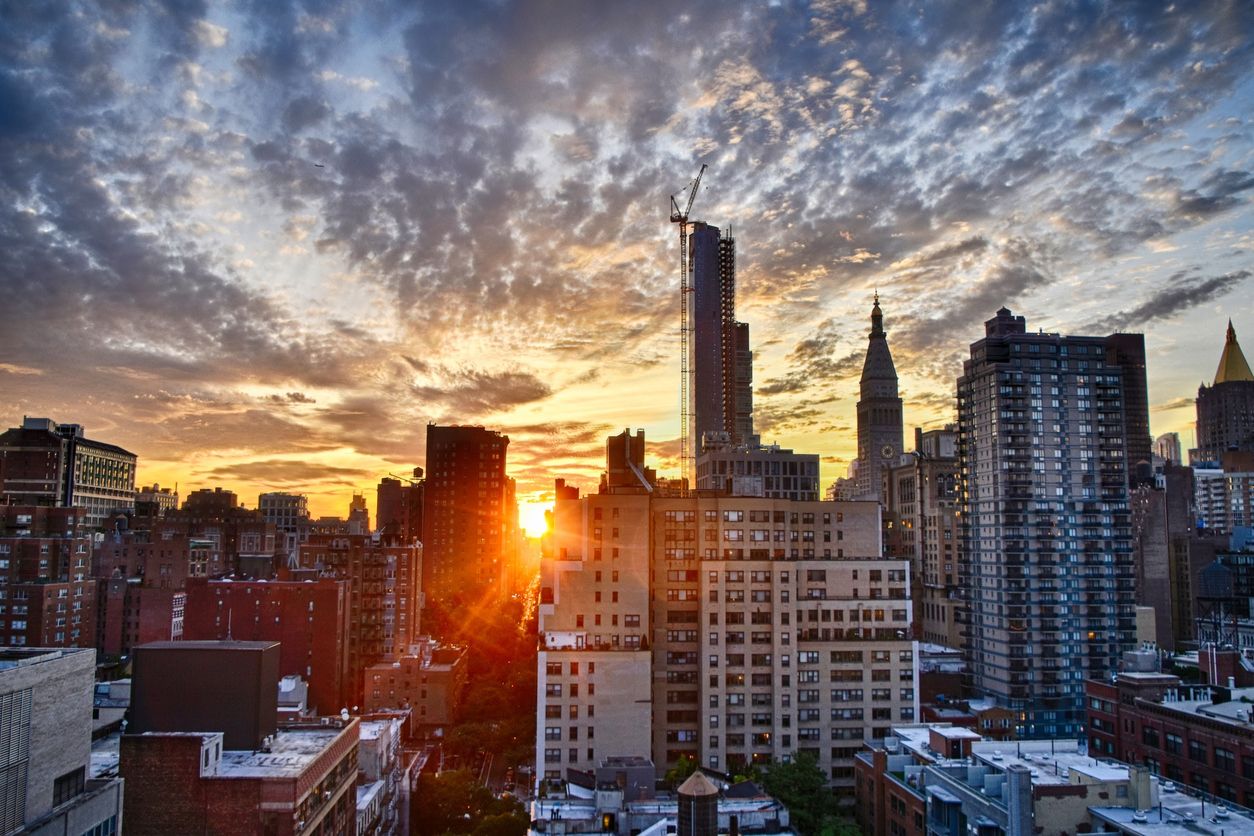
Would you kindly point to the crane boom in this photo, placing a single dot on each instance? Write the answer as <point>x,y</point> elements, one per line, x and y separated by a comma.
<point>686,457</point>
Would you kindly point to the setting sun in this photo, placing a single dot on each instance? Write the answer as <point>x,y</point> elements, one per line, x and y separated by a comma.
<point>531,517</point>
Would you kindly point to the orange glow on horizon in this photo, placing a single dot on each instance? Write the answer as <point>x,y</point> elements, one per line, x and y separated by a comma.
<point>531,517</point>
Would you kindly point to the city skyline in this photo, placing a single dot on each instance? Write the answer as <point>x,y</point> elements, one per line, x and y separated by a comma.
<point>268,248</point>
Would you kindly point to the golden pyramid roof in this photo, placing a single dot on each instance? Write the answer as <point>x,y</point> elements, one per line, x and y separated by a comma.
<point>1232,364</point>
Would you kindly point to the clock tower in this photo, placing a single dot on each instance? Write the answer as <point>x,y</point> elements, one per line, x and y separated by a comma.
<point>879,412</point>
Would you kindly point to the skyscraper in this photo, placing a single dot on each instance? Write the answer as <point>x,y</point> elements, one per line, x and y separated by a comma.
<point>879,412</point>
<point>463,516</point>
<point>1225,409</point>
<point>722,361</point>
<point>1047,548</point>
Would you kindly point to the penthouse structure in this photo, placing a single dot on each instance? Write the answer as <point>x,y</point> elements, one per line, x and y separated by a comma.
<point>1047,541</point>
<point>46,463</point>
<point>768,471</point>
<point>739,629</point>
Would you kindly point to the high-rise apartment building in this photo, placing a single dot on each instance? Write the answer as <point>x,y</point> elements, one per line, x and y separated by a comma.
<point>1225,409</point>
<point>1127,352</point>
<point>879,412</point>
<point>739,629</point>
<point>923,503</point>
<point>722,359</point>
<point>464,516</point>
<point>46,463</point>
<point>1047,548</point>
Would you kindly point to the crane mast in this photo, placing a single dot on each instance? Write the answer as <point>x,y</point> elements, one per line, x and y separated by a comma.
<point>686,451</point>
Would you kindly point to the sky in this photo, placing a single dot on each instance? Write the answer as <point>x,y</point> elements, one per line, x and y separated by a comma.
<point>263,244</point>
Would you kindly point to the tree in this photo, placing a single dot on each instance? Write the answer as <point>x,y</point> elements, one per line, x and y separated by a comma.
<point>455,802</point>
<point>801,786</point>
<point>677,774</point>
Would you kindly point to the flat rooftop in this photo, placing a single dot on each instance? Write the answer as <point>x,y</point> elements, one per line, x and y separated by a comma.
<point>13,658</point>
<point>291,753</point>
<point>1050,762</point>
<point>1181,815</point>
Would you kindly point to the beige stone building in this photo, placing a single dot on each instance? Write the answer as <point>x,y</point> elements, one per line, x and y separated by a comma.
<point>738,630</point>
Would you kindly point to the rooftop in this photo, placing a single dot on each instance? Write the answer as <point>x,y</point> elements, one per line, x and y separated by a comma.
<point>1178,815</point>
<point>1049,761</point>
<point>13,658</point>
<point>291,753</point>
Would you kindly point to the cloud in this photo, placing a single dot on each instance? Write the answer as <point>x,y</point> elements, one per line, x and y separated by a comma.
<point>1174,298</point>
<point>286,472</point>
<point>475,392</point>
<point>1174,403</point>
<point>412,212</point>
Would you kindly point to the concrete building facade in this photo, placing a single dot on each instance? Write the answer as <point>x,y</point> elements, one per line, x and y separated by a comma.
<point>759,628</point>
<point>46,719</point>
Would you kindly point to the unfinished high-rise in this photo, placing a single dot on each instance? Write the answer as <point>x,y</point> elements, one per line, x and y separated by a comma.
<point>722,359</point>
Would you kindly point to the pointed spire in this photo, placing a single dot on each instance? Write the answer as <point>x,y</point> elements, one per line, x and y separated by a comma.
<point>1232,363</point>
<point>877,318</point>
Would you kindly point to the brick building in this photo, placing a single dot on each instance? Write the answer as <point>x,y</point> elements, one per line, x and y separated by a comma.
<point>143,578</point>
<point>204,752</point>
<point>1201,736</point>
<point>464,519</point>
<point>429,680</point>
<point>46,463</point>
<point>309,620</point>
<point>48,596</point>
<point>383,595</point>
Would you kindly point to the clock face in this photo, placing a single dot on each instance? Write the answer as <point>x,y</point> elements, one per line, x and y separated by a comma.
<point>887,451</point>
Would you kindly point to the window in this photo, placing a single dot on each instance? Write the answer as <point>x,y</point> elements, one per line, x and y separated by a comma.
<point>68,785</point>
<point>1197,751</point>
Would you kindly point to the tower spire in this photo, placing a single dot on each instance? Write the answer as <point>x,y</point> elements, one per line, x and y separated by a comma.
<point>877,318</point>
<point>1232,363</point>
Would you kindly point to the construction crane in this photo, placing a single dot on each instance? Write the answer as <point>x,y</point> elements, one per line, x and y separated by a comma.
<point>685,327</point>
